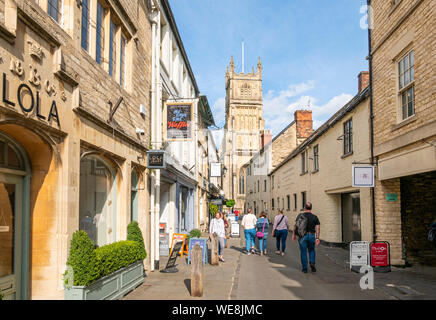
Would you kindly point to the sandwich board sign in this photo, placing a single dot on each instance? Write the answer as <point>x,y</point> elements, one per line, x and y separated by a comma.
<point>380,256</point>
<point>171,264</point>
<point>359,255</point>
<point>234,229</point>
<point>203,245</point>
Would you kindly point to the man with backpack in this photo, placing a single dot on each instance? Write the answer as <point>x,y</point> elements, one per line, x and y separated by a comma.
<point>307,229</point>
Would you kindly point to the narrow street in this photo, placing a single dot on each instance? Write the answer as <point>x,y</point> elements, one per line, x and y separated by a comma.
<point>273,277</point>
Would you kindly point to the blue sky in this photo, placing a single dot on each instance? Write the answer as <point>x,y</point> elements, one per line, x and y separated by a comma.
<point>310,50</point>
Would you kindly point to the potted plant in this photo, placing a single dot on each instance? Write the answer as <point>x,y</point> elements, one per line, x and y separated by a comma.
<point>107,272</point>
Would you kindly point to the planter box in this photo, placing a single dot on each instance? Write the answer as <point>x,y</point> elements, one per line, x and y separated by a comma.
<point>111,287</point>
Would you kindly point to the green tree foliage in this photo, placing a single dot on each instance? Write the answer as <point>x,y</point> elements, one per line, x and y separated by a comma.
<point>83,260</point>
<point>134,234</point>
<point>230,203</point>
<point>213,208</point>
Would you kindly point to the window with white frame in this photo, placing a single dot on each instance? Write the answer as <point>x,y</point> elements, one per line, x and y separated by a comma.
<point>406,80</point>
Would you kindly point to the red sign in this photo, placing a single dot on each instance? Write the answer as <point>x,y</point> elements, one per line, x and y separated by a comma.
<point>379,254</point>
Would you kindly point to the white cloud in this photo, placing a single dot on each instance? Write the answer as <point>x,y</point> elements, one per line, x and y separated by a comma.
<point>279,108</point>
<point>219,111</point>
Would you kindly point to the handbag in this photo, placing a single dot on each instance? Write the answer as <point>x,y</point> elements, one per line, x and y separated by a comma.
<point>260,234</point>
<point>274,231</point>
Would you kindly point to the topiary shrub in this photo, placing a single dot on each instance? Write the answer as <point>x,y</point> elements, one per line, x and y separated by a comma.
<point>195,233</point>
<point>134,234</point>
<point>115,256</point>
<point>83,260</point>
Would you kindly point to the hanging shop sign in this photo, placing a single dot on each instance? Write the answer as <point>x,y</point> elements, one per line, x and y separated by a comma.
<point>29,100</point>
<point>359,255</point>
<point>215,169</point>
<point>363,176</point>
<point>179,121</point>
<point>156,159</point>
<point>380,256</point>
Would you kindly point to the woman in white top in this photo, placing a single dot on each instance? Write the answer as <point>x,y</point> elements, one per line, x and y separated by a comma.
<point>217,226</point>
<point>249,223</point>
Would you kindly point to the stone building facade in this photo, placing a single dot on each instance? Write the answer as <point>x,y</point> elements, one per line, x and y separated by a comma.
<point>319,170</point>
<point>243,128</point>
<point>274,151</point>
<point>403,82</point>
<point>73,133</point>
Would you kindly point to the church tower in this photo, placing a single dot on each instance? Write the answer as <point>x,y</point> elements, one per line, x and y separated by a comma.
<point>243,129</point>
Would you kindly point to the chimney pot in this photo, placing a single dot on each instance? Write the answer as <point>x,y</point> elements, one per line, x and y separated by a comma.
<point>363,78</point>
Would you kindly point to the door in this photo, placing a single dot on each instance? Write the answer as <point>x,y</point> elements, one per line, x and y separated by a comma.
<point>351,225</point>
<point>11,220</point>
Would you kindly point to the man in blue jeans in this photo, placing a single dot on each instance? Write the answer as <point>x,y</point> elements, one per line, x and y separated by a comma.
<point>310,239</point>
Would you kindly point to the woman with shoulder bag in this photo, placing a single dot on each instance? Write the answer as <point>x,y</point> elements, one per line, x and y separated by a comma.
<point>217,226</point>
<point>262,226</point>
<point>280,231</point>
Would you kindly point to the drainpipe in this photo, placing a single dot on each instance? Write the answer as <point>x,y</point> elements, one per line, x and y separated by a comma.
<point>374,236</point>
<point>153,231</point>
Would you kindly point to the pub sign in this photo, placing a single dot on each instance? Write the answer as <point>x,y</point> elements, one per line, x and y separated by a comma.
<point>179,121</point>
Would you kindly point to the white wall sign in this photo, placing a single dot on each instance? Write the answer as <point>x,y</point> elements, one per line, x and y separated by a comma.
<point>359,253</point>
<point>215,169</point>
<point>363,176</point>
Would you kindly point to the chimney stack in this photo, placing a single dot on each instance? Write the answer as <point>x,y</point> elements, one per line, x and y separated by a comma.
<point>363,80</point>
<point>266,137</point>
<point>303,120</point>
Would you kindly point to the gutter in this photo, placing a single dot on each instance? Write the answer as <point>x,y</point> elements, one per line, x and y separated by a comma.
<point>374,236</point>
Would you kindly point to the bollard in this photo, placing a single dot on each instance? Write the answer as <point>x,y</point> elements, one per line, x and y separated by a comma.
<point>214,250</point>
<point>197,271</point>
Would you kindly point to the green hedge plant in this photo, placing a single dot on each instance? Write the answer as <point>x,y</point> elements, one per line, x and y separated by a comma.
<point>88,264</point>
<point>83,260</point>
<point>134,234</point>
<point>115,256</point>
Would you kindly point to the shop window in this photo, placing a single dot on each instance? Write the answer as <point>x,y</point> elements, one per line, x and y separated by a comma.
<point>134,197</point>
<point>97,208</point>
<point>9,156</point>
<point>85,25</point>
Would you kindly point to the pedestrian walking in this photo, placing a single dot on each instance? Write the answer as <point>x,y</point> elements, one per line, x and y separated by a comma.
<point>217,226</point>
<point>262,226</point>
<point>280,231</point>
<point>307,229</point>
<point>432,235</point>
<point>249,223</point>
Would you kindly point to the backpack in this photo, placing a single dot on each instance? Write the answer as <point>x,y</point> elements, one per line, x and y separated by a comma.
<point>301,225</point>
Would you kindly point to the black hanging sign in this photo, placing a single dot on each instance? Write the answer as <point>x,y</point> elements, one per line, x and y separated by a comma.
<point>156,159</point>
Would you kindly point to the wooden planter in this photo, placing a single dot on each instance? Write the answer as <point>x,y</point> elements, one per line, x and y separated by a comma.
<point>110,287</point>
